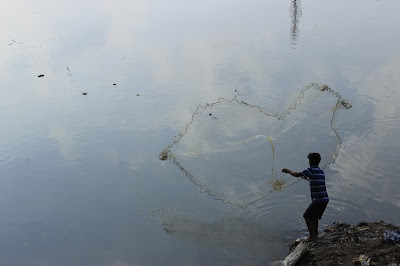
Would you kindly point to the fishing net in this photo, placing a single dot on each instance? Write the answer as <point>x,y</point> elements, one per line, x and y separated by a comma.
<point>234,151</point>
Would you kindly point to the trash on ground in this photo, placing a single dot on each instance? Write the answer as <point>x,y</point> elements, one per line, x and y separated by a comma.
<point>362,259</point>
<point>375,243</point>
<point>391,236</point>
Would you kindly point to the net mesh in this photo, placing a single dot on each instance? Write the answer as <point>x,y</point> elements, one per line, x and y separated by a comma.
<point>232,149</point>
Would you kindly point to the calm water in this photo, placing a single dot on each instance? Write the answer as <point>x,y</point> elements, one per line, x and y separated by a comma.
<point>81,182</point>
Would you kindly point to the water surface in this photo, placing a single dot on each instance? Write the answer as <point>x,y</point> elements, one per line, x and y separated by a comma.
<point>81,178</point>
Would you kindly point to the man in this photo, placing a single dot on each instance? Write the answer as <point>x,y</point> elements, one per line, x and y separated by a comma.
<point>319,195</point>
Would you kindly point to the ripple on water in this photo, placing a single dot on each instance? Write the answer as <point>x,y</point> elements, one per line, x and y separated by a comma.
<point>43,147</point>
<point>6,159</point>
<point>384,126</point>
<point>284,210</point>
<point>361,161</point>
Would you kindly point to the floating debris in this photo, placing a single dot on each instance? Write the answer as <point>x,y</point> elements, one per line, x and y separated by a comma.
<point>114,84</point>
<point>84,93</point>
<point>210,114</point>
<point>41,76</point>
<point>13,41</point>
<point>69,71</point>
<point>137,94</point>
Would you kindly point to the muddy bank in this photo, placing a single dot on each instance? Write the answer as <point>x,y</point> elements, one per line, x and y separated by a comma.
<point>345,244</point>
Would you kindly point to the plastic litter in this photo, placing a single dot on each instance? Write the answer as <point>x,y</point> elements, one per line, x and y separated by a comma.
<point>362,259</point>
<point>391,236</point>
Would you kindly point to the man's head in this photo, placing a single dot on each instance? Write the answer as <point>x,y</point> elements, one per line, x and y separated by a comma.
<point>314,158</point>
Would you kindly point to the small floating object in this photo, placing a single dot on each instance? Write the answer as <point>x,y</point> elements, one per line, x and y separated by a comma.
<point>114,84</point>
<point>41,76</point>
<point>84,93</point>
<point>210,114</point>
<point>137,94</point>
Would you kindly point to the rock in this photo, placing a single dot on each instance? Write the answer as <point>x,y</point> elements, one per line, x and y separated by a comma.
<point>332,237</point>
<point>295,255</point>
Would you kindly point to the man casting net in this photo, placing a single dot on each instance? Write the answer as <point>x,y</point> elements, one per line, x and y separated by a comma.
<point>230,148</point>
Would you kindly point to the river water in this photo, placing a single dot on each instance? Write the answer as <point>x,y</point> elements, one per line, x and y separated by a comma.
<point>81,180</point>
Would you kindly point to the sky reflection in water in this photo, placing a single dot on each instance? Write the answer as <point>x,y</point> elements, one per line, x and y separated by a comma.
<point>80,173</point>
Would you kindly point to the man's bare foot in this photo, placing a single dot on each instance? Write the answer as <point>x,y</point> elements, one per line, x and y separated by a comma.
<point>310,239</point>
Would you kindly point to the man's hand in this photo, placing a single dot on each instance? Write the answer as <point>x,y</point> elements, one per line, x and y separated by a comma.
<point>286,170</point>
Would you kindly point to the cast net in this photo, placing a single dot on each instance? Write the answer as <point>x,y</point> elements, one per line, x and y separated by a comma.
<point>234,151</point>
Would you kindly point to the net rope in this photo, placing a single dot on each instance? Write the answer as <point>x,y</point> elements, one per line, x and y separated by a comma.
<point>230,148</point>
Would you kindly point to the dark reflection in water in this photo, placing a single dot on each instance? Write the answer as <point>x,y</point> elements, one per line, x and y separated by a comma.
<point>237,241</point>
<point>295,14</point>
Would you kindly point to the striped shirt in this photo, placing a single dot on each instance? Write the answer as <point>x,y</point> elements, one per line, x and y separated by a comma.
<point>317,184</point>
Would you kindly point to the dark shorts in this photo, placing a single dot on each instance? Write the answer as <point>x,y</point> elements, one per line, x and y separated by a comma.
<point>315,211</point>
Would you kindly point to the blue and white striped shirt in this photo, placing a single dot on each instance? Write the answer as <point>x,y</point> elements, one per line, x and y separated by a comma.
<point>317,184</point>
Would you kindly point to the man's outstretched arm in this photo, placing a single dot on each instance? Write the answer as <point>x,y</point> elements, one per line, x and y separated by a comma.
<point>296,174</point>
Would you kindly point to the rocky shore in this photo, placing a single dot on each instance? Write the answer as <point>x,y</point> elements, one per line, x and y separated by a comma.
<point>345,244</point>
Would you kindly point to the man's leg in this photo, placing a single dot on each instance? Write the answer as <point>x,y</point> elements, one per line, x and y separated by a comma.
<point>316,227</point>
<point>311,225</point>
<point>320,210</point>
<point>311,218</point>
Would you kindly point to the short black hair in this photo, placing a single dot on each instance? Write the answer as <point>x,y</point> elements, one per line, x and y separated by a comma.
<point>314,158</point>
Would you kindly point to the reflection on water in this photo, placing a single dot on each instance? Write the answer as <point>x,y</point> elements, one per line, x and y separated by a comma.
<point>79,173</point>
<point>295,14</point>
<point>229,236</point>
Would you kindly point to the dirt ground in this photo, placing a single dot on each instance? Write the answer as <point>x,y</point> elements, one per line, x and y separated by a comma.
<point>345,244</point>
